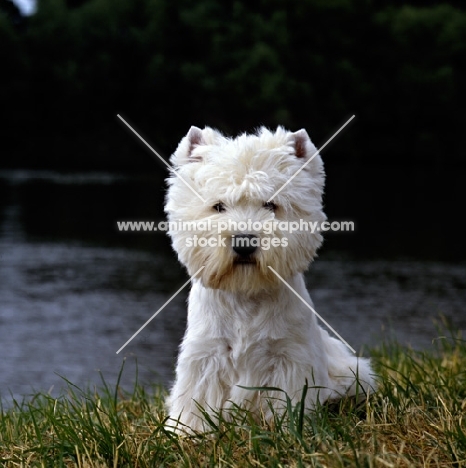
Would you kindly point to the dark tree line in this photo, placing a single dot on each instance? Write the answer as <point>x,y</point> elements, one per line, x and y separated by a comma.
<point>70,68</point>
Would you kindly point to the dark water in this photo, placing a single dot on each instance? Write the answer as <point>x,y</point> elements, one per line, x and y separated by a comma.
<point>73,290</point>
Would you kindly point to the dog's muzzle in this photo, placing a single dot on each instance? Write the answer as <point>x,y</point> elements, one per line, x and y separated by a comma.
<point>244,245</point>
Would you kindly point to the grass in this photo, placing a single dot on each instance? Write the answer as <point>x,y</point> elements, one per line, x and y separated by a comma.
<point>416,419</point>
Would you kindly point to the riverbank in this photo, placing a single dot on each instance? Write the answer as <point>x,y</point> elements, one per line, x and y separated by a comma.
<point>415,419</point>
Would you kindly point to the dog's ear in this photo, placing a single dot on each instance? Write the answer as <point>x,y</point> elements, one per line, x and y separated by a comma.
<point>302,144</point>
<point>305,150</point>
<point>192,148</point>
<point>194,138</point>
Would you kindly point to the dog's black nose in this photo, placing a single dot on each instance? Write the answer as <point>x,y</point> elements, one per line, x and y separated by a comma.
<point>244,244</point>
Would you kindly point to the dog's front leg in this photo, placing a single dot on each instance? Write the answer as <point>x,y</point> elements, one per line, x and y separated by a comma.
<point>201,382</point>
<point>284,367</point>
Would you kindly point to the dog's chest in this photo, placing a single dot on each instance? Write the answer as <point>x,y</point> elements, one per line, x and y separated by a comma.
<point>256,330</point>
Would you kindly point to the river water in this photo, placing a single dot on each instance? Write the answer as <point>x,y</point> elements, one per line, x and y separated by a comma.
<point>73,289</point>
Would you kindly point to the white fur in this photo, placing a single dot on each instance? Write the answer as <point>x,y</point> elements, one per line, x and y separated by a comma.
<point>245,327</point>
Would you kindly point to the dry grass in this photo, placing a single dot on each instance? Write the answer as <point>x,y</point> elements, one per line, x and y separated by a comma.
<point>416,419</point>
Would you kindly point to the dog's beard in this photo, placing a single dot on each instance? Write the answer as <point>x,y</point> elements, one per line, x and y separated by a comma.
<point>238,275</point>
<point>223,269</point>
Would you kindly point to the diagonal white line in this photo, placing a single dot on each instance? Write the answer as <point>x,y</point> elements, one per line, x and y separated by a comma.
<point>160,157</point>
<point>312,310</point>
<point>310,159</point>
<point>161,308</point>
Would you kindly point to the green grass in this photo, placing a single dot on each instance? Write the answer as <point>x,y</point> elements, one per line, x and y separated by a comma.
<point>416,418</point>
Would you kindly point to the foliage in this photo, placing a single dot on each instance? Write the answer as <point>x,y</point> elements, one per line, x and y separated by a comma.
<point>235,65</point>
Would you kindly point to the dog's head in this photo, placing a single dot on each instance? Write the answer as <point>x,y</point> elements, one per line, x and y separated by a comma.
<point>238,206</point>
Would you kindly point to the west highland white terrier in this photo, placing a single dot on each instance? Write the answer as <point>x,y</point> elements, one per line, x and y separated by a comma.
<point>247,325</point>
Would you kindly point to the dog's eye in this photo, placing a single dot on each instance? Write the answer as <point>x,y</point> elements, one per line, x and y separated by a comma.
<point>270,206</point>
<point>220,207</point>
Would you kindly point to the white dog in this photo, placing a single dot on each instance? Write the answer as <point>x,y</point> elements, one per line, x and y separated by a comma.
<point>246,327</point>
